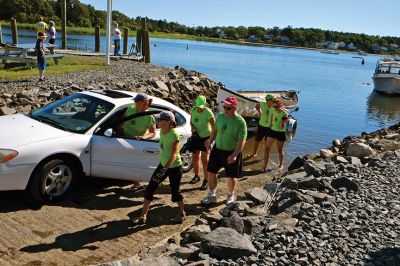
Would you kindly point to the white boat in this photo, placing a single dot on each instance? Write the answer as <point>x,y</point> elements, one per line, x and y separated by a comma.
<point>247,101</point>
<point>387,76</point>
<point>329,52</point>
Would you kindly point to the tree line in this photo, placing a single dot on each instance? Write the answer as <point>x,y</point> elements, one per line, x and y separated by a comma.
<point>82,15</point>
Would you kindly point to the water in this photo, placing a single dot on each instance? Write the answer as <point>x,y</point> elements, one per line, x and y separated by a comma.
<point>336,91</point>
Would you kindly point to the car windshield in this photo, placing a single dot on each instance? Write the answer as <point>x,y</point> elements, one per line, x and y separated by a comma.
<point>76,113</point>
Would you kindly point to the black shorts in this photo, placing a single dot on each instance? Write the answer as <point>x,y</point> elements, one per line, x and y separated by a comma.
<point>52,41</point>
<point>218,159</point>
<point>195,143</point>
<point>280,136</point>
<point>262,133</point>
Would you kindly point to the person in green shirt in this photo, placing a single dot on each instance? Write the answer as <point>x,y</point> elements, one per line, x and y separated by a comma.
<point>202,121</point>
<point>230,133</point>
<point>143,127</point>
<point>170,166</point>
<point>41,26</point>
<point>265,110</point>
<point>278,133</point>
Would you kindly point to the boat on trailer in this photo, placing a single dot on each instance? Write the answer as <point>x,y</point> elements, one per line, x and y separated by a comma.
<point>247,101</point>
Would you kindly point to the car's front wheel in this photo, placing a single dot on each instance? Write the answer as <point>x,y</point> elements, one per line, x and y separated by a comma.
<point>186,157</point>
<point>53,180</point>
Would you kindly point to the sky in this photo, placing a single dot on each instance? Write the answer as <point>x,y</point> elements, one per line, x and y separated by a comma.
<point>372,17</point>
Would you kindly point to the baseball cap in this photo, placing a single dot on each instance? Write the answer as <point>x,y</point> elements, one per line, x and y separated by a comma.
<point>230,101</point>
<point>141,96</point>
<point>165,115</point>
<point>269,97</point>
<point>200,101</point>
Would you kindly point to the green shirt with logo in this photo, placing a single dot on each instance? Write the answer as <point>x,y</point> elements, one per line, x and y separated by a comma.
<point>266,115</point>
<point>201,121</point>
<point>138,126</point>
<point>167,142</point>
<point>230,131</point>
<point>277,118</point>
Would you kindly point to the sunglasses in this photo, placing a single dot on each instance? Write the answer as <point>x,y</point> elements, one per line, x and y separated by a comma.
<point>228,108</point>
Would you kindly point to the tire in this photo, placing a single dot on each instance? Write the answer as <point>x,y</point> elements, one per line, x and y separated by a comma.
<point>186,157</point>
<point>53,180</point>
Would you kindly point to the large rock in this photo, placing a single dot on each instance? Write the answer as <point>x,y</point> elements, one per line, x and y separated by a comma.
<point>233,222</point>
<point>4,110</point>
<point>314,169</point>
<point>252,225</point>
<point>359,150</point>
<point>300,181</point>
<point>296,164</point>
<point>387,145</point>
<point>195,233</point>
<point>258,195</point>
<point>344,182</point>
<point>161,85</point>
<point>226,243</point>
<point>282,221</point>
<point>288,199</point>
<point>325,153</point>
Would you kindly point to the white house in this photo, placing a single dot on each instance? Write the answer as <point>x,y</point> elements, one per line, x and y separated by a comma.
<point>393,47</point>
<point>351,47</point>
<point>376,48</point>
<point>253,38</point>
<point>332,45</point>
<point>342,45</point>
<point>221,33</point>
<point>268,37</point>
<point>283,39</point>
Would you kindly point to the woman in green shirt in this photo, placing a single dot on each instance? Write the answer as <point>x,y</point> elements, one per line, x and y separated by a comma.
<point>278,127</point>
<point>202,121</point>
<point>170,166</point>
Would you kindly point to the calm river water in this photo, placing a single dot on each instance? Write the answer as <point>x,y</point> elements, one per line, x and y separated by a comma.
<point>336,91</point>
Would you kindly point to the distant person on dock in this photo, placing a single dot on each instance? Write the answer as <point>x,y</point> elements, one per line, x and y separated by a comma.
<point>278,133</point>
<point>202,121</point>
<point>362,61</point>
<point>265,110</point>
<point>41,26</point>
<point>230,133</point>
<point>52,32</point>
<point>170,166</point>
<point>117,39</point>
<point>40,54</point>
<point>143,127</point>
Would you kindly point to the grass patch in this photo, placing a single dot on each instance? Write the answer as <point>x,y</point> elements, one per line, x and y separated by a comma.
<point>69,64</point>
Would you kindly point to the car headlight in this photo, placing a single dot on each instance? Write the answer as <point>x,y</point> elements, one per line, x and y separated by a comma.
<point>7,155</point>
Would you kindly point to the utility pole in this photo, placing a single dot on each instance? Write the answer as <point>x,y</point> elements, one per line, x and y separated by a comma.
<point>64,23</point>
<point>108,31</point>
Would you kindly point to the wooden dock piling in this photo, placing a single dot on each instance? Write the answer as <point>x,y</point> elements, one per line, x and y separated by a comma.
<point>14,31</point>
<point>64,23</point>
<point>139,42</point>
<point>1,34</point>
<point>97,39</point>
<point>126,38</point>
<point>145,41</point>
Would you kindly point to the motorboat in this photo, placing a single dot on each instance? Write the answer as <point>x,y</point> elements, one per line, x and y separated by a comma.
<point>362,53</point>
<point>387,76</point>
<point>247,101</point>
<point>329,52</point>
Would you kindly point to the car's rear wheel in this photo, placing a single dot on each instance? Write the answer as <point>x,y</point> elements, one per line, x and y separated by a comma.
<point>186,157</point>
<point>54,180</point>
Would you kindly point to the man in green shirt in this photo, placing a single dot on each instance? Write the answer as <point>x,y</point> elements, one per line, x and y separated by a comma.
<point>264,124</point>
<point>41,26</point>
<point>230,133</point>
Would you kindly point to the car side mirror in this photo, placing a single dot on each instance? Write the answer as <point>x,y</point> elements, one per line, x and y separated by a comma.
<point>109,132</point>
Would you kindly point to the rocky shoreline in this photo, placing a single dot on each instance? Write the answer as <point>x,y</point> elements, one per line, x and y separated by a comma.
<point>178,86</point>
<point>340,206</point>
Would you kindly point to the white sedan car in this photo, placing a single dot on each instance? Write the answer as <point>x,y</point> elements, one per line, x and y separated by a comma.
<point>47,151</point>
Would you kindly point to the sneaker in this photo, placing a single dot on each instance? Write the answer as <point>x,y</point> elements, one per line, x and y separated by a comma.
<point>209,200</point>
<point>139,220</point>
<point>195,179</point>
<point>230,198</point>
<point>204,186</point>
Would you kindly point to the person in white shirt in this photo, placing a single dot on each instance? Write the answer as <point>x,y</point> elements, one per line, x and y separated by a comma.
<point>52,32</point>
<point>117,39</point>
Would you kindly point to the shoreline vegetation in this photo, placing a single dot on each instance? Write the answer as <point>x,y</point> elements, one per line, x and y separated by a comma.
<point>180,36</point>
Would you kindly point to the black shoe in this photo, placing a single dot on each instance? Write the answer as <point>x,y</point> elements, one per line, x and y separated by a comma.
<point>204,186</point>
<point>195,179</point>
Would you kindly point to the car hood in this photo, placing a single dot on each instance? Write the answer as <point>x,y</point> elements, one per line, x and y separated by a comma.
<point>18,130</point>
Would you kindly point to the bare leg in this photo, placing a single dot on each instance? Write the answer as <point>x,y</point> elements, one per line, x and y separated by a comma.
<point>181,208</point>
<point>280,145</point>
<point>212,181</point>
<point>255,149</point>
<point>267,149</point>
<point>145,208</point>
<point>204,160</point>
<point>196,163</point>
<point>231,184</point>
<point>41,73</point>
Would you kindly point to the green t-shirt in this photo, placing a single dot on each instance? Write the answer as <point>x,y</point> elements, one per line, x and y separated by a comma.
<point>201,122</point>
<point>230,131</point>
<point>41,27</point>
<point>166,143</point>
<point>266,115</point>
<point>277,119</point>
<point>138,126</point>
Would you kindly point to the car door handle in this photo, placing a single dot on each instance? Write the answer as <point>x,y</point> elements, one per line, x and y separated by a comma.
<point>151,151</point>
